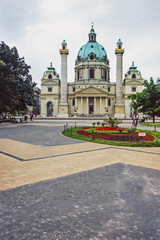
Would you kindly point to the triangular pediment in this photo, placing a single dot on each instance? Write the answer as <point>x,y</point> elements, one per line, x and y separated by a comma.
<point>136,82</point>
<point>90,90</point>
<point>49,82</point>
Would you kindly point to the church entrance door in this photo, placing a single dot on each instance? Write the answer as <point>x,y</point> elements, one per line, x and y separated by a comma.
<point>91,105</point>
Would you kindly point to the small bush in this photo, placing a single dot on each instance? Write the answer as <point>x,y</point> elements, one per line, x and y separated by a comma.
<point>120,130</point>
<point>98,123</point>
<point>113,122</point>
<point>131,130</point>
<point>93,123</point>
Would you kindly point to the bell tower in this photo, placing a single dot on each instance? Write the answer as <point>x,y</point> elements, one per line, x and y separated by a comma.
<point>63,105</point>
<point>119,105</point>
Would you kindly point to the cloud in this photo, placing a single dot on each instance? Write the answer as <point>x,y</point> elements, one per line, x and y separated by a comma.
<point>37,28</point>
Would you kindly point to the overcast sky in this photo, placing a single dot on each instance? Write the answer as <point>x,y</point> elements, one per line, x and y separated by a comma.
<point>37,27</point>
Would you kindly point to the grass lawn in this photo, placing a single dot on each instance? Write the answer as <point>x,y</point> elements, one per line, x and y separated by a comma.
<point>72,133</point>
<point>151,124</point>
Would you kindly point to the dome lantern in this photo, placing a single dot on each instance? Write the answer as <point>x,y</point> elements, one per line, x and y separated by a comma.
<point>51,68</point>
<point>92,35</point>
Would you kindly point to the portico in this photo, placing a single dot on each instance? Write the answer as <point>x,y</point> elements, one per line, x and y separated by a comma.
<point>91,101</point>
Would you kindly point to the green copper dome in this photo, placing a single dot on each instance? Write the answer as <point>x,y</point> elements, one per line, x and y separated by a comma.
<point>119,41</point>
<point>89,48</point>
<point>92,50</point>
<point>64,42</point>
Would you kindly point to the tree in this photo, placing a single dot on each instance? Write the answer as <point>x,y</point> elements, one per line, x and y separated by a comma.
<point>148,101</point>
<point>16,86</point>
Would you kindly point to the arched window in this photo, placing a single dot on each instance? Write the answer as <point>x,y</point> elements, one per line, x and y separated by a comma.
<point>92,73</point>
<point>73,102</point>
<point>109,102</point>
<point>78,75</point>
<point>49,76</point>
<point>119,46</point>
<point>63,47</point>
<point>105,75</point>
<point>133,75</point>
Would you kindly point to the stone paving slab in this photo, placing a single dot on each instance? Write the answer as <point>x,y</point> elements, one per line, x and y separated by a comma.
<point>119,201</point>
<point>60,161</point>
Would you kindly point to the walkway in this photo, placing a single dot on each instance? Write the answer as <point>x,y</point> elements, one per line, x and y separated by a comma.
<point>92,191</point>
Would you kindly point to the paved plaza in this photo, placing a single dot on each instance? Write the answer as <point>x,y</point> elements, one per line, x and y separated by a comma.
<point>54,187</point>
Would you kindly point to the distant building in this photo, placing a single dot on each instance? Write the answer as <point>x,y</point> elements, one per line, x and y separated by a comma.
<point>92,93</point>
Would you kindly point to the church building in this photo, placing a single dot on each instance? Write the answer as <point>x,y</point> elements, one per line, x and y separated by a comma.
<point>92,93</point>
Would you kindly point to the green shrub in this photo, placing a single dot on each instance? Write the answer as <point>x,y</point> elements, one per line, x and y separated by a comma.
<point>120,130</point>
<point>93,123</point>
<point>98,123</point>
<point>113,122</point>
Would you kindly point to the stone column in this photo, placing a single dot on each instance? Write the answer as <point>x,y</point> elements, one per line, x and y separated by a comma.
<point>76,103</point>
<point>119,77</point>
<point>106,106</point>
<point>63,78</point>
<point>119,106</point>
<point>100,105</point>
<point>63,106</point>
<point>106,103</point>
<point>87,106</point>
<point>95,105</point>
<point>82,105</point>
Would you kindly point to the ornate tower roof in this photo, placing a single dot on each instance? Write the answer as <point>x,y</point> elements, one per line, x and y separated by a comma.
<point>51,68</point>
<point>133,68</point>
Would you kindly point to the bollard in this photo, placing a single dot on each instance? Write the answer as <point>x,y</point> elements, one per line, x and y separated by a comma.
<point>66,125</point>
<point>155,128</point>
<point>75,124</point>
<point>64,128</point>
<point>71,130</point>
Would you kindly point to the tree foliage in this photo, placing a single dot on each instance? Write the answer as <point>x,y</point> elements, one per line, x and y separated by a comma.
<point>148,101</point>
<point>16,86</point>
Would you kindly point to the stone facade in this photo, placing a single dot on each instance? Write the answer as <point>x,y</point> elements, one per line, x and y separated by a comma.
<point>91,93</point>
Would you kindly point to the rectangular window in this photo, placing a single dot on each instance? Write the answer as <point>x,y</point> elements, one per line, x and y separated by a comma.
<point>109,102</point>
<point>73,89</point>
<point>133,89</point>
<point>108,89</point>
<point>49,89</point>
<point>73,102</point>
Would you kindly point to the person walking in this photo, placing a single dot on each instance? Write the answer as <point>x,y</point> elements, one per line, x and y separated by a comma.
<point>137,117</point>
<point>134,119</point>
<point>31,117</point>
<point>25,118</point>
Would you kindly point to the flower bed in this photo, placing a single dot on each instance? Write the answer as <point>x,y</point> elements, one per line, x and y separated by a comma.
<point>109,129</point>
<point>119,137</point>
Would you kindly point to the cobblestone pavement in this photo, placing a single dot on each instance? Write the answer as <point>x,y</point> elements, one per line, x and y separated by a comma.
<point>93,191</point>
